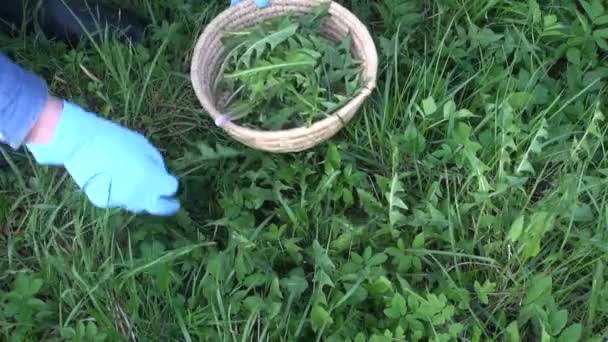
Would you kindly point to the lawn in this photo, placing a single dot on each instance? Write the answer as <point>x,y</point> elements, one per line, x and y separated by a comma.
<point>467,200</point>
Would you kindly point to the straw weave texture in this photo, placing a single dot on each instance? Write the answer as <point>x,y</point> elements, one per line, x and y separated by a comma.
<point>209,55</point>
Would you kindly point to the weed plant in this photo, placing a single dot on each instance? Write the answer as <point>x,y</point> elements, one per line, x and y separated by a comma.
<point>467,201</point>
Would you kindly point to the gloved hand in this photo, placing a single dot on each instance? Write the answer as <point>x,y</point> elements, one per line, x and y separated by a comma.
<point>259,3</point>
<point>115,166</point>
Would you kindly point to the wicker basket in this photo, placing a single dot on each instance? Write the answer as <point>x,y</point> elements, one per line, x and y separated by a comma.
<point>209,53</point>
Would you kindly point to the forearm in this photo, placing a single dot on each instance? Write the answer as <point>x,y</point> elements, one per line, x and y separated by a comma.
<point>44,128</point>
<point>23,99</point>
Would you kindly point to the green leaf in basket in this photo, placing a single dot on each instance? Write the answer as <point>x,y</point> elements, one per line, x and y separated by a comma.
<point>285,73</point>
<point>271,41</point>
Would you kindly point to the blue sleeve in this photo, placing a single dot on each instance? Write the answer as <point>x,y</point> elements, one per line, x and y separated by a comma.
<point>22,97</point>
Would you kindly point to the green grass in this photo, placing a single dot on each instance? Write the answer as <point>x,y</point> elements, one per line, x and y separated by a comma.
<point>467,201</point>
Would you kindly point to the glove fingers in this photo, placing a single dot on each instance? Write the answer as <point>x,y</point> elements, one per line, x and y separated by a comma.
<point>165,188</point>
<point>164,184</point>
<point>164,207</point>
<point>159,191</point>
<point>164,204</point>
<point>155,155</point>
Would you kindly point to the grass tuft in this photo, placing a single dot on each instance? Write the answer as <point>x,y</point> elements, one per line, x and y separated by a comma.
<point>466,201</point>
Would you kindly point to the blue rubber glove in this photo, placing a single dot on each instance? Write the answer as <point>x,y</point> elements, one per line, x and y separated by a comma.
<point>259,3</point>
<point>116,168</point>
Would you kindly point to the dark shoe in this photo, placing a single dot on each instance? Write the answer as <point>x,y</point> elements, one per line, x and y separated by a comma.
<point>70,20</point>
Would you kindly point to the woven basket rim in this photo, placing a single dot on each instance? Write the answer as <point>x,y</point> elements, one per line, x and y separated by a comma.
<point>335,118</point>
